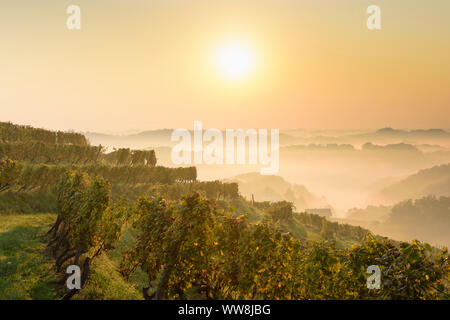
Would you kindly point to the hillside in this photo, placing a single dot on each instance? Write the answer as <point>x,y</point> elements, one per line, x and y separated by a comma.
<point>432,181</point>
<point>426,218</point>
<point>145,139</point>
<point>275,188</point>
<point>138,230</point>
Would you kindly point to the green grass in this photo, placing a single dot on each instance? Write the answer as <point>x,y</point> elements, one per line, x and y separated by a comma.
<point>105,282</point>
<point>139,278</point>
<point>27,202</point>
<point>296,228</point>
<point>242,207</point>
<point>25,270</point>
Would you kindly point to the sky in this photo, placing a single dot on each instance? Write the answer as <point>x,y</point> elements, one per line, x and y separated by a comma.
<point>142,65</point>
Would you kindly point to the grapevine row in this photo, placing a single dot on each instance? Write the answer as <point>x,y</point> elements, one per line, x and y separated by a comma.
<point>87,225</point>
<point>17,133</point>
<point>189,245</point>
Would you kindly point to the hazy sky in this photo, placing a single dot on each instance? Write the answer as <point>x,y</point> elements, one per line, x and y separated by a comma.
<point>152,64</point>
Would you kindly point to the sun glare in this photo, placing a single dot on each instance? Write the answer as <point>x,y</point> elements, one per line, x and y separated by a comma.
<point>235,60</point>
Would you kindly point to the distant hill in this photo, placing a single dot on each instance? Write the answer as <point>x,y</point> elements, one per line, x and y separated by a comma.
<point>275,188</point>
<point>432,148</point>
<point>427,218</point>
<point>433,181</point>
<point>393,147</point>
<point>141,140</point>
<point>381,136</point>
<point>155,138</point>
<point>390,135</point>
<point>161,137</point>
<point>418,133</point>
<point>369,214</point>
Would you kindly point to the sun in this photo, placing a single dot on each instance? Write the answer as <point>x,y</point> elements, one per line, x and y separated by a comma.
<point>235,60</point>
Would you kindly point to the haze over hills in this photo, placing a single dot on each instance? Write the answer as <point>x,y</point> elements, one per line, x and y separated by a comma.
<point>367,177</point>
<point>311,147</point>
<point>381,136</point>
<point>426,218</point>
<point>432,181</point>
<point>275,188</point>
<point>144,139</point>
<point>416,206</point>
<point>346,166</point>
<point>161,137</point>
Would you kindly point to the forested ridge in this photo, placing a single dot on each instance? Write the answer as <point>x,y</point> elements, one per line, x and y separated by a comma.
<point>184,239</point>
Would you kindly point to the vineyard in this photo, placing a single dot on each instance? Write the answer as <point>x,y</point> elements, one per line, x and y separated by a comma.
<point>159,233</point>
<point>189,243</point>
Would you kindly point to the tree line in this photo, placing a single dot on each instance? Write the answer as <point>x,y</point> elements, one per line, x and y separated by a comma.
<point>20,177</point>
<point>40,152</point>
<point>17,133</point>
<point>132,158</point>
<point>283,212</point>
<point>330,230</point>
<point>25,143</point>
<point>211,189</point>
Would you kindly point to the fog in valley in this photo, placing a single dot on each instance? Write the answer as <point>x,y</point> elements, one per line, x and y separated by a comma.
<point>360,175</point>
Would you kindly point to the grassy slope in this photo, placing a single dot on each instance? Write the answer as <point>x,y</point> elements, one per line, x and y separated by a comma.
<point>105,282</point>
<point>26,268</point>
